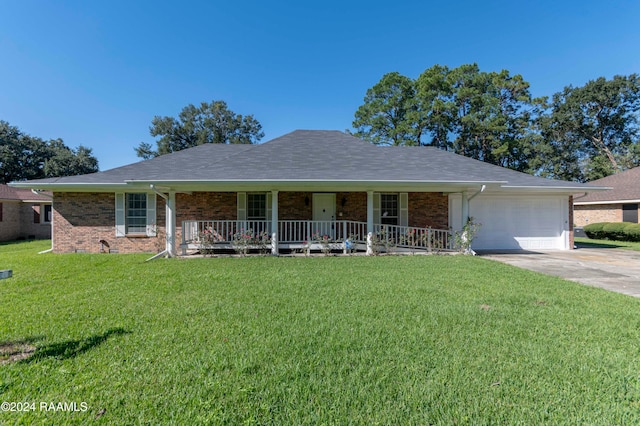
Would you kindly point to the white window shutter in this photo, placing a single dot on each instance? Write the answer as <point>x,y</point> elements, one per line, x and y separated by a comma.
<point>120,218</point>
<point>403,220</point>
<point>376,208</point>
<point>242,206</point>
<point>151,215</point>
<point>269,211</point>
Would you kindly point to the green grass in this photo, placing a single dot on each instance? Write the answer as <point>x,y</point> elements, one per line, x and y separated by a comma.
<point>587,242</point>
<point>342,340</point>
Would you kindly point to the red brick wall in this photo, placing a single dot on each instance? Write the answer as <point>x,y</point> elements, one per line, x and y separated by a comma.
<point>428,209</point>
<point>292,205</point>
<point>355,206</point>
<point>81,220</point>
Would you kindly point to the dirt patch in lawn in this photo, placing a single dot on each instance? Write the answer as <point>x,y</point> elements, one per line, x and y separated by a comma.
<point>15,351</point>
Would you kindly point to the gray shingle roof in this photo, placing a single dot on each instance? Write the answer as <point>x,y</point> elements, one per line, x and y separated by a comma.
<point>625,186</point>
<point>311,155</point>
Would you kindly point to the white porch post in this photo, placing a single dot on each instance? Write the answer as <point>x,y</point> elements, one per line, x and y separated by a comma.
<point>274,222</point>
<point>369,211</point>
<point>369,222</point>
<point>170,209</point>
<point>465,209</point>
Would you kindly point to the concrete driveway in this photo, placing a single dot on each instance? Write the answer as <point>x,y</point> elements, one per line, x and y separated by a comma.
<point>609,268</point>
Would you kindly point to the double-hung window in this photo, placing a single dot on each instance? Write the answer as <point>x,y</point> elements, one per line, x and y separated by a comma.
<point>389,209</point>
<point>136,213</point>
<point>256,206</point>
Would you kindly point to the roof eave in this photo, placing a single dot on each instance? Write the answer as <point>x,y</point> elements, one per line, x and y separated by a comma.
<point>70,187</point>
<point>588,203</point>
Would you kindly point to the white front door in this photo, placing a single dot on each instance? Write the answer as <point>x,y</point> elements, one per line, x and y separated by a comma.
<point>324,211</point>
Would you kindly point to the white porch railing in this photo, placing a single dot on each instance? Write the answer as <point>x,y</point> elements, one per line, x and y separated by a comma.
<point>296,231</point>
<point>410,237</point>
<point>220,231</point>
<point>211,232</point>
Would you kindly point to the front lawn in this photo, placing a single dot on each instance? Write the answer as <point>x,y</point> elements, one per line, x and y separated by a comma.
<point>341,340</point>
<point>588,242</point>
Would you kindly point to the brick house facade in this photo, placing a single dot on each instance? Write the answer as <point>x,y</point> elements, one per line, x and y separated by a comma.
<point>619,204</point>
<point>83,219</point>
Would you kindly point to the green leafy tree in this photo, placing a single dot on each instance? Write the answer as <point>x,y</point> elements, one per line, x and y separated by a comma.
<point>209,123</point>
<point>482,115</point>
<point>590,132</point>
<point>25,157</point>
<point>64,161</point>
<point>386,117</point>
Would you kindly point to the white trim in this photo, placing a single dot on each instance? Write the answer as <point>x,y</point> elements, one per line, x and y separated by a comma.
<point>242,206</point>
<point>403,209</point>
<point>592,203</point>
<point>269,206</point>
<point>120,215</point>
<point>376,207</point>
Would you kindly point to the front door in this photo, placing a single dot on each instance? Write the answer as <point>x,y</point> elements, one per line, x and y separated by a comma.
<point>324,211</point>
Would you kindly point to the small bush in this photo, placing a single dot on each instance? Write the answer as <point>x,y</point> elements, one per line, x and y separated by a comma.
<point>632,232</point>
<point>594,230</point>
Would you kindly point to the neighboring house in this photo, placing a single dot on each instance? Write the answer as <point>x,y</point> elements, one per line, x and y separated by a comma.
<point>619,204</point>
<point>23,214</point>
<point>302,184</point>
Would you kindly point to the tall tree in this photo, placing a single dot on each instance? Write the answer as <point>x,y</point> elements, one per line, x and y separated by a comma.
<point>209,123</point>
<point>386,117</point>
<point>597,123</point>
<point>478,114</point>
<point>64,161</point>
<point>26,157</point>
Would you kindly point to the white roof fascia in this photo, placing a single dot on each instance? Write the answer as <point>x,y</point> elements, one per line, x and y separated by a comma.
<point>317,185</point>
<point>591,203</point>
<point>72,187</point>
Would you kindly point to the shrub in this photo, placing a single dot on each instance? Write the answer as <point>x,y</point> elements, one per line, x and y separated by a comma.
<point>632,232</point>
<point>594,230</point>
<point>615,230</point>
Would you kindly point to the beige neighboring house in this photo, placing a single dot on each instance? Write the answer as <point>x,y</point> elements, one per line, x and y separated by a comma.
<point>23,214</point>
<point>620,204</point>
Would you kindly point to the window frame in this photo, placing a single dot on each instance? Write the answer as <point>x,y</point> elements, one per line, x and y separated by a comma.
<point>251,206</point>
<point>43,213</point>
<point>389,219</point>
<point>141,199</point>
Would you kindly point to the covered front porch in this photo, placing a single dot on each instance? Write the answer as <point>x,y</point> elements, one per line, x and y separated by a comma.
<point>307,236</point>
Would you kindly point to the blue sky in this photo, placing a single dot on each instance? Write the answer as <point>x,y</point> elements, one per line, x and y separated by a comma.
<point>96,73</point>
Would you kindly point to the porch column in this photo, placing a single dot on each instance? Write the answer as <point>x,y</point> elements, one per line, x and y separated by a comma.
<point>369,211</point>
<point>274,223</point>
<point>465,209</point>
<point>170,210</point>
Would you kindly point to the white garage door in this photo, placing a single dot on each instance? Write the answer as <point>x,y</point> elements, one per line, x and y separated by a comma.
<point>527,223</point>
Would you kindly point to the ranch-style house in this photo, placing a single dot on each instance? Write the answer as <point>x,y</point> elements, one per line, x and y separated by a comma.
<point>301,188</point>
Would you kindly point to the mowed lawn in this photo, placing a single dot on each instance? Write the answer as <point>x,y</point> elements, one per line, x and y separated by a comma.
<point>338,340</point>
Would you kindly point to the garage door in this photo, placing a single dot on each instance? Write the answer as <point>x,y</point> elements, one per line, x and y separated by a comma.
<point>512,223</point>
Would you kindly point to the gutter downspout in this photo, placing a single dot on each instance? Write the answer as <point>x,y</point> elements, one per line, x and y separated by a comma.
<point>36,192</point>
<point>582,196</point>
<point>477,193</point>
